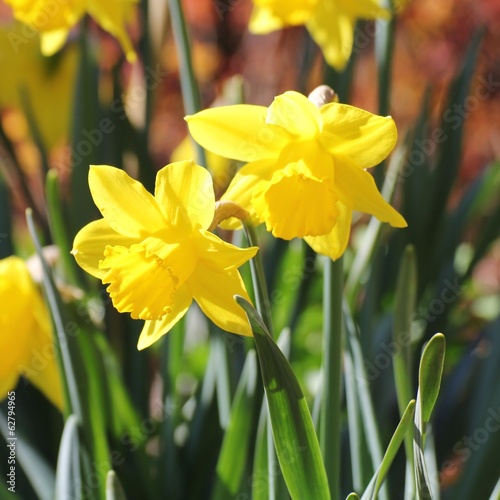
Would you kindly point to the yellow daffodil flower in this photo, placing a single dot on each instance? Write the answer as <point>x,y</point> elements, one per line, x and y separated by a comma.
<point>156,253</point>
<point>26,340</point>
<point>37,83</point>
<point>330,22</point>
<point>306,170</point>
<point>54,19</point>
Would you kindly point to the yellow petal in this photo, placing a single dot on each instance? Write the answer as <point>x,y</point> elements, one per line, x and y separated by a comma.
<point>90,242</point>
<point>8,382</point>
<point>296,204</point>
<point>185,194</point>
<point>333,244</point>
<point>365,138</point>
<point>124,202</point>
<point>364,9</point>
<point>214,291</point>
<point>243,186</point>
<point>53,41</point>
<point>332,29</point>
<point>17,322</point>
<point>269,15</point>
<point>25,333</point>
<point>139,283</point>
<point>357,189</point>
<point>239,132</point>
<point>113,15</point>
<point>45,17</point>
<point>43,373</point>
<point>295,113</point>
<point>263,21</point>
<point>219,255</point>
<point>153,330</point>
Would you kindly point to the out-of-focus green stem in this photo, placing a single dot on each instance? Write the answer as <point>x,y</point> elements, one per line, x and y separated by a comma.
<point>384,50</point>
<point>189,86</point>
<point>330,422</point>
<point>263,303</point>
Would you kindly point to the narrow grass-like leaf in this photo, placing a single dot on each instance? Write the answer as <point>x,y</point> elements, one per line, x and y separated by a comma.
<point>360,381</point>
<point>231,465</point>
<point>331,411</point>
<point>430,372</point>
<point>35,466</point>
<point>293,431</point>
<point>114,489</point>
<point>189,86</point>
<point>81,386</point>
<point>401,431</point>
<point>372,234</point>
<point>406,297</point>
<point>429,377</point>
<point>260,479</point>
<point>68,474</point>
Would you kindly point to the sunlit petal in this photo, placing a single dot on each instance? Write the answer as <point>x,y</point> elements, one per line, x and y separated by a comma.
<point>295,113</point>
<point>357,189</point>
<point>124,202</point>
<point>214,291</point>
<point>365,138</point>
<point>239,132</point>
<point>185,195</point>
<point>219,255</point>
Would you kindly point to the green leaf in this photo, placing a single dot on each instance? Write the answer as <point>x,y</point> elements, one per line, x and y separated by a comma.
<point>68,474</point>
<point>293,431</point>
<point>406,297</point>
<point>39,472</point>
<point>396,440</point>
<point>231,466</point>
<point>429,377</point>
<point>260,479</point>
<point>352,496</point>
<point>430,372</point>
<point>114,489</point>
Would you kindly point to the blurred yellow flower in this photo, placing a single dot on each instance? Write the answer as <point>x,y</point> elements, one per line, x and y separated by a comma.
<point>306,170</point>
<point>26,340</point>
<point>34,81</point>
<point>330,22</point>
<point>54,19</point>
<point>156,252</point>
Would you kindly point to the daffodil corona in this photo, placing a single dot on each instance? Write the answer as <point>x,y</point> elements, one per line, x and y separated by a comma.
<point>330,22</point>
<point>26,340</point>
<point>156,253</point>
<point>54,19</point>
<point>306,165</point>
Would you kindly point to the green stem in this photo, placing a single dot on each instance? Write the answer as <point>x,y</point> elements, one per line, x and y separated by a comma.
<point>384,50</point>
<point>330,423</point>
<point>189,86</point>
<point>263,303</point>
